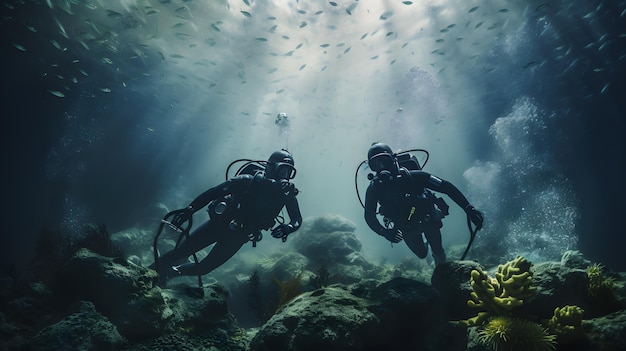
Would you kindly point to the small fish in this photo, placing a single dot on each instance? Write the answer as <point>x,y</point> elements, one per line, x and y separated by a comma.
<point>150,129</point>
<point>246,13</point>
<point>30,28</point>
<point>302,67</point>
<point>303,24</point>
<point>589,15</point>
<point>215,28</point>
<point>440,40</point>
<point>478,25</point>
<point>105,90</point>
<point>392,62</point>
<point>50,5</point>
<point>19,47</point>
<point>530,64</point>
<point>273,28</point>
<point>407,2</point>
<point>374,57</point>
<point>107,60</point>
<point>541,7</point>
<point>182,36</point>
<point>56,93</point>
<point>178,56</point>
<point>246,2</point>
<point>319,12</point>
<point>280,91</point>
<point>91,6</point>
<point>272,70</point>
<point>324,45</point>
<point>504,10</point>
<point>347,50</point>
<point>113,14</point>
<point>604,88</point>
<point>56,44</point>
<point>445,30</point>
<point>299,46</point>
<point>363,36</point>
<point>404,45</point>
<point>332,3</point>
<point>598,69</point>
<point>271,18</point>
<point>388,34</point>
<point>473,9</point>
<point>302,12</point>
<point>261,39</point>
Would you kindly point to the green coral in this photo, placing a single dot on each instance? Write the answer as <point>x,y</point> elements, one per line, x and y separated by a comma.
<point>498,296</point>
<point>601,291</point>
<point>504,333</point>
<point>567,322</point>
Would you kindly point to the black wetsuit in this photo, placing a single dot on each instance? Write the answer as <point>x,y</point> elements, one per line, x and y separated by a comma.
<point>406,201</point>
<point>239,209</point>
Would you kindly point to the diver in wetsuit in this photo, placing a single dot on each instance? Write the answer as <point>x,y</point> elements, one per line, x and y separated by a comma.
<point>409,208</point>
<point>239,209</point>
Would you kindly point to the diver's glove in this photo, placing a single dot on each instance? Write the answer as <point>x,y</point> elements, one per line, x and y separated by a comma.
<point>475,216</point>
<point>282,231</point>
<point>182,216</point>
<point>288,188</point>
<point>393,235</point>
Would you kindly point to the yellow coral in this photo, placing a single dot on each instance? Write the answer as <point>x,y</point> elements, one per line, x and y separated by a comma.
<point>512,334</point>
<point>498,296</point>
<point>566,321</point>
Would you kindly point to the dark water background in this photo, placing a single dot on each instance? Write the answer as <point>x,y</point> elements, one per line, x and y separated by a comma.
<point>521,105</point>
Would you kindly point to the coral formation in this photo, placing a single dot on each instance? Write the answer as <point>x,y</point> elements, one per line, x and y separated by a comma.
<point>503,333</point>
<point>566,322</point>
<point>288,289</point>
<point>601,290</point>
<point>498,296</point>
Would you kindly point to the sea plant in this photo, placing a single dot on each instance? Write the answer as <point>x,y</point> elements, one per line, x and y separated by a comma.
<point>504,333</point>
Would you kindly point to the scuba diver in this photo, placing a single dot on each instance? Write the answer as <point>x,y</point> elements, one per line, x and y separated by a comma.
<point>408,207</point>
<point>238,210</point>
<point>282,121</point>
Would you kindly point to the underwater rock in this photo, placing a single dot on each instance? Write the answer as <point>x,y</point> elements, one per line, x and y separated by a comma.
<point>451,280</point>
<point>329,223</point>
<point>327,247</point>
<point>607,333</point>
<point>396,314</point>
<point>84,330</point>
<point>411,315</point>
<point>328,318</point>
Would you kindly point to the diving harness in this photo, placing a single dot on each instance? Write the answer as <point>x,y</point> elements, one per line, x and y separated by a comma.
<point>218,207</point>
<point>408,162</point>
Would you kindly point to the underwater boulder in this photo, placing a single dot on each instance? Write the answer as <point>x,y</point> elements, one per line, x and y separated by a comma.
<point>452,281</point>
<point>328,240</point>
<point>411,315</point>
<point>84,330</point>
<point>329,319</point>
<point>607,333</point>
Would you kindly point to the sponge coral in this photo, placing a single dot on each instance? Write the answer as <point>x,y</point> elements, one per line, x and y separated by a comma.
<point>498,296</point>
<point>566,322</point>
<point>512,334</point>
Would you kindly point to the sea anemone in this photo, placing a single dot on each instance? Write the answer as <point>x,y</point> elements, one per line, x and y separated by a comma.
<point>512,334</point>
